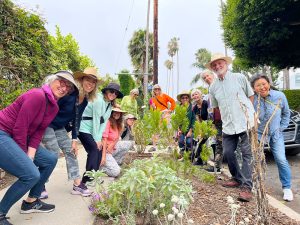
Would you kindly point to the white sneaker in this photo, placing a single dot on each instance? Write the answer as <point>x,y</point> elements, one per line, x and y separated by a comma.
<point>287,195</point>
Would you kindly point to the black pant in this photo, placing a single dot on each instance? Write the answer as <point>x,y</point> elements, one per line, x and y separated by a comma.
<point>94,154</point>
<point>196,153</point>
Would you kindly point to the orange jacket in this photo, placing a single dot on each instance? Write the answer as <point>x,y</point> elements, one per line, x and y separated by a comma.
<point>161,102</point>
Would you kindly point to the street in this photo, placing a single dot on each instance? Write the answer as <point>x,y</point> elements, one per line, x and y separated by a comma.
<point>273,183</point>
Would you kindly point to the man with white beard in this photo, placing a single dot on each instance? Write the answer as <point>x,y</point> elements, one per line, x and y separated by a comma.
<point>233,95</point>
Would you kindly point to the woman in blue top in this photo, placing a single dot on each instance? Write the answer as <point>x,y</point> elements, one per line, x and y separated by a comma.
<point>93,123</point>
<point>267,100</point>
<point>68,119</point>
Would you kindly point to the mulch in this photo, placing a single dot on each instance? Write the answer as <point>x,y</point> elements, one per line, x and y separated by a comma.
<point>7,180</point>
<point>210,205</point>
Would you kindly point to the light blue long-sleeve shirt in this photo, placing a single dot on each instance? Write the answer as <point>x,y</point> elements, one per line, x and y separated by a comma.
<point>267,106</point>
<point>96,109</point>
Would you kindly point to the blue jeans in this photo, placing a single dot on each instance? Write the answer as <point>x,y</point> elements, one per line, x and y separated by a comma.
<point>185,143</point>
<point>242,175</point>
<point>31,175</point>
<point>278,151</point>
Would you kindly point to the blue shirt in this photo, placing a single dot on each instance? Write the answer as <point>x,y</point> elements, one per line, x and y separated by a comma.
<point>267,106</point>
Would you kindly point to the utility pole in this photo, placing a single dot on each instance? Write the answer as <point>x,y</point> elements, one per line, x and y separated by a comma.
<point>155,42</point>
<point>147,56</point>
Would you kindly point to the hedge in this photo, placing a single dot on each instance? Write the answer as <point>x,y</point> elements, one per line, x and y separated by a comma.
<point>293,97</point>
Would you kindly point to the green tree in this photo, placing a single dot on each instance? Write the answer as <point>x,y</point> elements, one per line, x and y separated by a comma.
<point>203,56</point>
<point>137,51</point>
<point>263,32</point>
<point>127,83</point>
<point>66,54</point>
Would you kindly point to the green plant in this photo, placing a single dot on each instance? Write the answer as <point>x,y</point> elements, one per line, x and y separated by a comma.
<point>143,188</point>
<point>205,153</point>
<point>204,129</point>
<point>179,119</point>
<point>293,97</point>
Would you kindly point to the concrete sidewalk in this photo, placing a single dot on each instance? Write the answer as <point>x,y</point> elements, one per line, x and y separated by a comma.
<point>70,209</point>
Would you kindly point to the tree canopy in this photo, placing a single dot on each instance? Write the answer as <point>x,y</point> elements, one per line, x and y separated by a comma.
<point>263,32</point>
<point>28,52</point>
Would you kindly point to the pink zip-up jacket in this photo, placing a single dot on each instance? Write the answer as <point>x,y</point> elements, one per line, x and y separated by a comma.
<point>26,119</point>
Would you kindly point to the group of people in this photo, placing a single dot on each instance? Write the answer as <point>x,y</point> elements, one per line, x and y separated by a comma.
<point>34,129</point>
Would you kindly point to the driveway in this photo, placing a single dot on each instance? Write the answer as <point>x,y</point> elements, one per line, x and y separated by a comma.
<point>274,185</point>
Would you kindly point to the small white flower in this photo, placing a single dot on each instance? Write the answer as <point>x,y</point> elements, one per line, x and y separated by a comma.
<point>247,220</point>
<point>162,205</point>
<point>180,215</point>
<point>174,199</point>
<point>170,217</point>
<point>190,221</point>
<point>155,212</point>
<point>234,206</point>
<point>230,200</point>
<point>175,210</point>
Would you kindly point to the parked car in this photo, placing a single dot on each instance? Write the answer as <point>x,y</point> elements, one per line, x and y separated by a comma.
<point>291,135</point>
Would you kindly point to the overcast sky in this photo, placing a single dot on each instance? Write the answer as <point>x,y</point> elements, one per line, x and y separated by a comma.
<point>99,26</point>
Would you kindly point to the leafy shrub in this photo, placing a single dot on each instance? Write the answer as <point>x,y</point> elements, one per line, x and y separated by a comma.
<point>141,189</point>
<point>293,97</point>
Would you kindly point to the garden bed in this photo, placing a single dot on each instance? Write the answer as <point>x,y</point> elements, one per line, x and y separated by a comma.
<point>210,204</point>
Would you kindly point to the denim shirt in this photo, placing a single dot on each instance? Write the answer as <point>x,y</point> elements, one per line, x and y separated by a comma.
<point>230,95</point>
<point>267,106</point>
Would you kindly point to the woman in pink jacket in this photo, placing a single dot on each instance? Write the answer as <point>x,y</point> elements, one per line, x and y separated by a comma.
<point>22,125</point>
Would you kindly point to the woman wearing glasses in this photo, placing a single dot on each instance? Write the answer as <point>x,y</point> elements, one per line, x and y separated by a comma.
<point>68,119</point>
<point>22,125</point>
<point>185,141</point>
<point>94,119</point>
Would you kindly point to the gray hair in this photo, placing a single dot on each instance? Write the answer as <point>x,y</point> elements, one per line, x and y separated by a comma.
<point>134,91</point>
<point>205,72</point>
<point>50,78</point>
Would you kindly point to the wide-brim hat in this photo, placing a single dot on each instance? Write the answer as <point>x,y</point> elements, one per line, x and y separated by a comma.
<point>67,75</point>
<point>116,109</point>
<point>130,116</point>
<point>216,57</point>
<point>88,72</point>
<point>183,93</point>
<point>113,86</point>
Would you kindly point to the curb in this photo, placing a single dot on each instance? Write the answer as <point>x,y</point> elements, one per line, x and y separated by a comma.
<point>275,203</point>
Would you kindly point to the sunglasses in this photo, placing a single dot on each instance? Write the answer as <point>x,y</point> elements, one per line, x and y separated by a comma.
<point>66,84</point>
<point>183,98</point>
<point>112,91</point>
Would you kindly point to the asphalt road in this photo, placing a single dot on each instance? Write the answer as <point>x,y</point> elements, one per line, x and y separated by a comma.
<point>274,185</point>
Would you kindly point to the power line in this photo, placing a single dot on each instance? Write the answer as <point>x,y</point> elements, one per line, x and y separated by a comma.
<point>117,64</point>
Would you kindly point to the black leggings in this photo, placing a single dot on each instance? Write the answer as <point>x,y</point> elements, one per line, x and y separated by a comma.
<point>94,154</point>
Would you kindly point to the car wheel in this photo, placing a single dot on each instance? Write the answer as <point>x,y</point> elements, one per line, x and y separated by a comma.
<point>292,151</point>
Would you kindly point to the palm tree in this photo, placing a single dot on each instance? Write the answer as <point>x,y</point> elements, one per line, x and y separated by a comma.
<point>137,51</point>
<point>203,56</point>
<point>172,50</point>
<point>169,64</point>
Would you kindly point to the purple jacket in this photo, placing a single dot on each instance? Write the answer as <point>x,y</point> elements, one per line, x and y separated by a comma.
<point>26,119</point>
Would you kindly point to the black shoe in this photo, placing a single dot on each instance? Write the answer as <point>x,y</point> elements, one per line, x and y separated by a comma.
<point>4,221</point>
<point>36,207</point>
<point>212,170</point>
<point>198,163</point>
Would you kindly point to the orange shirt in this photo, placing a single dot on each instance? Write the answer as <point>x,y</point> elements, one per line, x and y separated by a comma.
<point>161,102</point>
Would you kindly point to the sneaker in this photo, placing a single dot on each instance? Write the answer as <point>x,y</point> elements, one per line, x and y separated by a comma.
<point>44,195</point>
<point>4,221</point>
<point>81,189</point>
<point>212,170</point>
<point>287,195</point>
<point>232,183</point>
<point>36,207</point>
<point>245,195</point>
<point>152,149</point>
